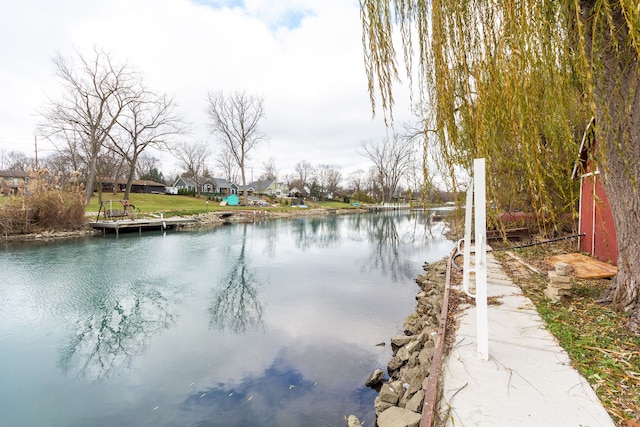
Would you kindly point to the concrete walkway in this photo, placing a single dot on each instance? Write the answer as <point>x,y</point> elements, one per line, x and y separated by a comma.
<point>528,379</point>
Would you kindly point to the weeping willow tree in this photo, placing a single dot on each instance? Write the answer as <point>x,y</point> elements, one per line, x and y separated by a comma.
<point>516,82</point>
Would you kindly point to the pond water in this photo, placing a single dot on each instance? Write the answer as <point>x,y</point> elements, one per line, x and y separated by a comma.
<point>265,324</point>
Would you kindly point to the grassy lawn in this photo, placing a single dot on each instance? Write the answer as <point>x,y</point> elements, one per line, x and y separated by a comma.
<point>171,205</point>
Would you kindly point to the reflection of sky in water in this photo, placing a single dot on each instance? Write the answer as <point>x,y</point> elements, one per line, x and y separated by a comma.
<point>266,324</point>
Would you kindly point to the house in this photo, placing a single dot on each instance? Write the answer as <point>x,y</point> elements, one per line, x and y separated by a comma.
<point>137,186</point>
<point>187,184</point>
<point>596,219</point>
<point>267,188</point>
<point>223,187</point>
<point>209,186</point>
<point>299,192</point>
<point>13,182</point>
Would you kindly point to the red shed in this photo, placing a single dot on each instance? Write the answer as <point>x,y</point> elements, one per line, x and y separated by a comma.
<point>596,219</point>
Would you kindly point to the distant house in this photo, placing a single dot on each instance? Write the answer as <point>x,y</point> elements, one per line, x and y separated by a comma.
<point>187,184</point>
<point>299,192</point>
<point>209,186</point>
<point>223,187</point>
<point>13,182</point>
<point>596,218</point>
<point>137,186</point>
<point>267,188</point>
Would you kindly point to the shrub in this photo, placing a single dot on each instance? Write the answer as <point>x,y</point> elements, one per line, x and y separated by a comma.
<point>44,206</point>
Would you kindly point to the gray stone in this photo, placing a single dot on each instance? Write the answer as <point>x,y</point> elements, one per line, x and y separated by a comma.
<point>375,378</point>
<point>389,394</point>
<point>416,384</point>
<point>401,340</point>
<point>403,354</point>
<point>426,354</point>
<point>413,346</point>
<point>416,402</point>
<point>407,375</point>
<point>380,405</point>
<point>398,417</point>
<point>555,278</point>
<point>353,421</point>
<point>394,364</point>
<point>562,268</point>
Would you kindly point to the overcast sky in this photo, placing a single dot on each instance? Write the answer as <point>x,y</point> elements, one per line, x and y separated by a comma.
<point>304,57</point>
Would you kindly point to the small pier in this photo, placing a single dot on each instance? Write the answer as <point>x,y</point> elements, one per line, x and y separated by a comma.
<point>140,224</point>
<point>390,207</point>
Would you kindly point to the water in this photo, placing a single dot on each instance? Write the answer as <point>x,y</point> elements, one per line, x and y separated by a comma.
<point>269,324</point>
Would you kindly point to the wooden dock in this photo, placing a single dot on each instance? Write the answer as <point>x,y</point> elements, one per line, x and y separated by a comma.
<point>140,224</point>
<point>389,207</point>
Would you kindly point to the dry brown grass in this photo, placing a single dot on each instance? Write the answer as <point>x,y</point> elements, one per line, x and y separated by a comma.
<point>44,206</point>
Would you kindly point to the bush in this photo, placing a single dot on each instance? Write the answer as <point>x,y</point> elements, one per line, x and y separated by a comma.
<point>43,207</point>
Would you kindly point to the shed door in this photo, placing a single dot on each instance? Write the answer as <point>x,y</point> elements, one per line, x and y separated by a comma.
<point>596,221</point>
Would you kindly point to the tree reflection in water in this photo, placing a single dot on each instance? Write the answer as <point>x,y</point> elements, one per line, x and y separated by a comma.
<point>316,232</point>
<point>116,332</point>
<point>387,244</point>
<point>235,306</point>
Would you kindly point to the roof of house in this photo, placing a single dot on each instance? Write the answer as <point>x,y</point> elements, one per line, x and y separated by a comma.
<point>260,186</point>
<point>222,183</point>
<point>107,180</point>
<point>187,181</point>
<point>13,174</point>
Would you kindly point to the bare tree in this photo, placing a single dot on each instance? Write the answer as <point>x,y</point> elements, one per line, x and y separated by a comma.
<point>18,161</point>
<point>146,163</point>
<point>304,172</point>
<point>147,121</point>
<point>235,119</point>
<point>392,159</point>
<point>270,170</point>
<point>96,90</point>
<point>357,181</point>
<point>328,177</point>
<point>227,164</point>
<point>193,157</point>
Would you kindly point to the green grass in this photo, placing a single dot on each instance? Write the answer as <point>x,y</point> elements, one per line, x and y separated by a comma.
<point>171,205</point>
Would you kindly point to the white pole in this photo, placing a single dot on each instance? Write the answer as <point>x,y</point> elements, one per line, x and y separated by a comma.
<point>480,212</point>
<point>467,240</point>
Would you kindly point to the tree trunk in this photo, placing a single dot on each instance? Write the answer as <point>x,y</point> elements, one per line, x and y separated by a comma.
<point>245,192</point>
<point>91,177</point>
<point>132,171</point>
<point>618,119</point>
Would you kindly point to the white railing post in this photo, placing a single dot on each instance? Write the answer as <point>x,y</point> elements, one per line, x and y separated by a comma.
<point>476,205</point>
<point>466,269</point>
<point>479,190</point>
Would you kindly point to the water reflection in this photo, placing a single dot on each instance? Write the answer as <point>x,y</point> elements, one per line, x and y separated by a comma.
<point>316,232</point>
<point>269,324</point>
<point>389,248</point>
<point>256,401</point>
<point>117,331</point>
<point>235,306</point>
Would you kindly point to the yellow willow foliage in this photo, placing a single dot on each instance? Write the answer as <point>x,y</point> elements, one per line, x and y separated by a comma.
<point>507,80</point>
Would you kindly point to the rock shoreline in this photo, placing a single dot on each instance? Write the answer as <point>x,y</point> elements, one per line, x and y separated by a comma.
<point>401,395</point>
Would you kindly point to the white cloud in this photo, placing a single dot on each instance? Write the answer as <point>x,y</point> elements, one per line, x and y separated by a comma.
<point>303,56</point>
